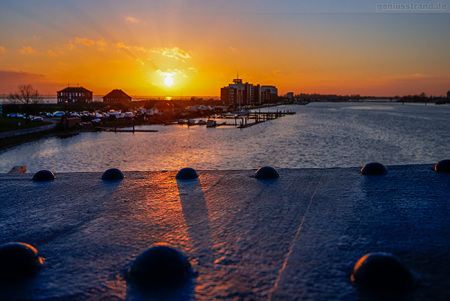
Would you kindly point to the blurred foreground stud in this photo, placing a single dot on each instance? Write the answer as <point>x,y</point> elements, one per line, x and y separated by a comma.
<point>443,166</point>
<point>18,260</point>
<point>187,174</point>
<point>161,267</point>
<point>373,168</point>
<point>43,176</point>
<point>112,174</point>
<point>266,173</point>
<point>382,272</point>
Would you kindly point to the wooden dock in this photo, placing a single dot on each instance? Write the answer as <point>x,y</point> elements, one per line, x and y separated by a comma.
<point>241,120</point>
<point>248,119</point>
<point>122,130</point>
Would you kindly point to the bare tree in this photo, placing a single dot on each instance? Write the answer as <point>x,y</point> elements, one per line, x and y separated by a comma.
<point>26,95</point>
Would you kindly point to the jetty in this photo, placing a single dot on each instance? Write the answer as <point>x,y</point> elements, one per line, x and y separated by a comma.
<point>241,119</point>
<point>246,119</point>
<point>123,130</point>
<point>297,237</point>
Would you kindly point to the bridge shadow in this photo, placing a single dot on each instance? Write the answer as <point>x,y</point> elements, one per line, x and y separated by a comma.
<point>197,220</point>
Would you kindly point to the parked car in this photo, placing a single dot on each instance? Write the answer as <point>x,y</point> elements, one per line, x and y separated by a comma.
<point>37,118</point>
<point>58,114</point>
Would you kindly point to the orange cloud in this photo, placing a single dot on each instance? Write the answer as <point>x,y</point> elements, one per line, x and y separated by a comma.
<point>70,46</point>
<point>234,50</point>
<point>85,41</point>
<point>135,48</point>
<point>2,49</point>
<point>407,76</point>
<point>132,20</point>
<point>27,50</point>
<point>174,52</point>
<point>121,45</point>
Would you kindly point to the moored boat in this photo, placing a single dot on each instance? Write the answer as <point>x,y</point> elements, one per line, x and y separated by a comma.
<point>211,124</point>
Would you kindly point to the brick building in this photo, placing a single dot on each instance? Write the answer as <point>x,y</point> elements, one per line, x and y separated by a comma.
<point>74,94</point>
<point>241,94</point>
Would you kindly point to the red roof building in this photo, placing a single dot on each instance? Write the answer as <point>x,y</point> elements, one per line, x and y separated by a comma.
<point>116,95</point>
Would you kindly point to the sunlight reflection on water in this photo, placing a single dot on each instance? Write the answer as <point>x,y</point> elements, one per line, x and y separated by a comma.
<point>320,135</point>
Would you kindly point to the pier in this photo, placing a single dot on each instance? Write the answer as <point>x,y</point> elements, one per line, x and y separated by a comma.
<point>240,119</point>
<point>247,119</point>
<point>123,130</point>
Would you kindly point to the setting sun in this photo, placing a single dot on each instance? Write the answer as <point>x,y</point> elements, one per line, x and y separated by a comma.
<point>168,81</point>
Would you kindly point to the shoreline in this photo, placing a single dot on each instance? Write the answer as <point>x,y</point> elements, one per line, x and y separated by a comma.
<point>12,141</point>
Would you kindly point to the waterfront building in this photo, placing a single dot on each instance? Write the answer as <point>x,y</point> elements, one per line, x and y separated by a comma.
<point>241,94</point>
<point>290,95</point>
<point>448,94</point>
<point>116,95</point>
<point>164,107</point>
<point>74,94</point>
<point>269,94</point>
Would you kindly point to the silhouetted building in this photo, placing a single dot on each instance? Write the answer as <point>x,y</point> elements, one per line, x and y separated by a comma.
<point>269,94</point>
<point>243,94</point>
<point>116,95</point>
<point>74,94</point>
<point>69,122</point>
<point>165,107</point>
<point>290,95</point>
<point>448,94</point>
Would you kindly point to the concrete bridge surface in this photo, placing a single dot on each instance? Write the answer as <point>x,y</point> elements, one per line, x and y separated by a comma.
<point>293,238</point>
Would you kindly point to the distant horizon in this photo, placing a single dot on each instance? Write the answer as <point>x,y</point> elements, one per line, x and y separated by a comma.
<point>48,94</point>
<point>4,96</point>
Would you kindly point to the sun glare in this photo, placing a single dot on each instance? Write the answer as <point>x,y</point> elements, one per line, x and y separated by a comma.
<point>168,81</point>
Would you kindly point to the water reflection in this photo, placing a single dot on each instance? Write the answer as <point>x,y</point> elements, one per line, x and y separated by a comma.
<point>320,135</point>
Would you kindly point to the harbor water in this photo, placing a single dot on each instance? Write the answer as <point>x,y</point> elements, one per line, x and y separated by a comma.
<point>319,135</point>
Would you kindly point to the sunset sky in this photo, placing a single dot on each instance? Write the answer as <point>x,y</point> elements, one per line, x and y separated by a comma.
<point>142,47</point>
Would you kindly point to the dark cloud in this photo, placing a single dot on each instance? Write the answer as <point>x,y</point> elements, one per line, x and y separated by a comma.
<point>10,80</point>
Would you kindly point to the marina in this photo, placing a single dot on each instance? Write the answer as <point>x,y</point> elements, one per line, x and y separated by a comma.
<point>249,118</point>
<point>239,119</point>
